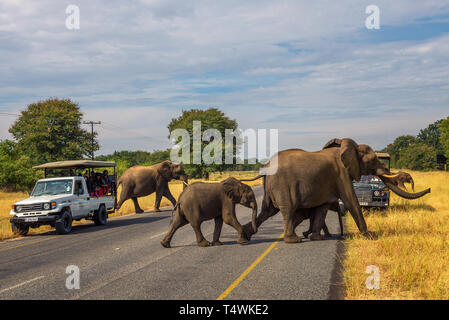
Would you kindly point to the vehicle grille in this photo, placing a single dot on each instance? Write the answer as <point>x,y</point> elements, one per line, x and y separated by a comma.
<point>31,207</point>
<point>364,195</point>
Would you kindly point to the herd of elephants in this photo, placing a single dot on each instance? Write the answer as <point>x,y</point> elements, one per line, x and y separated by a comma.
<point>305,186</point>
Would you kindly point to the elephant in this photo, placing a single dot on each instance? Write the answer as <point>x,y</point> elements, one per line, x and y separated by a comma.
<point>403,177</point>
<point>141,181</point>
<point>316,180</point>
<point>201,201</point>
<point>334,207</point>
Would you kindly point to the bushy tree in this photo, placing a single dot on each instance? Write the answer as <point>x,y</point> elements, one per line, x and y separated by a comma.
<point>444,138</point>
<point>16,173</point>
<point>211,118</point>
<point>418,156</point>
<point>399,144</point>
<point>51,130</point>
<point>431,136</point>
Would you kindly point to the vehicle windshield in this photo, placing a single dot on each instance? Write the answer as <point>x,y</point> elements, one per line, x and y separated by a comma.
<point>53,187</point>
<point>370,179</point>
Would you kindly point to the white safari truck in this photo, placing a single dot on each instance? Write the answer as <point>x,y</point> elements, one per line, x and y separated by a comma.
<point>59,201</point>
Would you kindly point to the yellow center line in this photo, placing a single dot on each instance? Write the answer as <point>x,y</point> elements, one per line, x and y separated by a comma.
<point>248,270</point>
<point>28,243</point>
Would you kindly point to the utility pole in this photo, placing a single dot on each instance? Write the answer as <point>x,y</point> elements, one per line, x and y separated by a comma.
<point>92,131</point>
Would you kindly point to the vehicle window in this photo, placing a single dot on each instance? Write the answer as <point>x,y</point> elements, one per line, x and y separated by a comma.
<point>53,187</point>
<point>79,188</point>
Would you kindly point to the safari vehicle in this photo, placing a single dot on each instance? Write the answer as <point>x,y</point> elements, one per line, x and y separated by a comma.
<point>58,201</point>
<point>371,191</point>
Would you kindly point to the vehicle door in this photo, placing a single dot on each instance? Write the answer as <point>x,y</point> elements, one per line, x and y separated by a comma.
<point>81,199</point>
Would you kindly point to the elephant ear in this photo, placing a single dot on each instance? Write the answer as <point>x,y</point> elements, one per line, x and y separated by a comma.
<point>231,187</point>
<point>164,170</point>
<point>350,157</point>
<point>334,143</point>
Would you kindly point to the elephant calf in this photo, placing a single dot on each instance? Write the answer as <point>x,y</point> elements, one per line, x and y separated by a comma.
<point>202,201</point>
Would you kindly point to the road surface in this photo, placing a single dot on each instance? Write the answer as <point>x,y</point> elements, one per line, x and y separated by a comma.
<point>124,260</point>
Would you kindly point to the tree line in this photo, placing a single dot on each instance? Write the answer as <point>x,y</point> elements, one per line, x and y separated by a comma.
<point>420,152</point>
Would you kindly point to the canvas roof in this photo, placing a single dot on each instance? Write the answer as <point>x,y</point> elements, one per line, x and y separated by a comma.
<point>80,164</point>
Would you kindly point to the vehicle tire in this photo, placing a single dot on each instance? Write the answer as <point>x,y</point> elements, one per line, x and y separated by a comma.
<point>64,225</point>
<point>19,229</point>
<point>100,216</point>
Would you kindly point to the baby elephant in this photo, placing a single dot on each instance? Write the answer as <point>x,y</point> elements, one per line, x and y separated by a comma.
<point>202,201</point>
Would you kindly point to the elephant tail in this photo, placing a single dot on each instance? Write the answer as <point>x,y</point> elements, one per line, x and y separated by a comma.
<point>258,177</point>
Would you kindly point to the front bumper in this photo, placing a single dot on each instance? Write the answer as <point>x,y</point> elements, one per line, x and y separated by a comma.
<point>381,204</point>
<point>33,220</point>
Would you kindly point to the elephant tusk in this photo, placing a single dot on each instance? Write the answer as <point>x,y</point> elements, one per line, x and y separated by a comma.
<point>185,183</point>
<point>390,176</point>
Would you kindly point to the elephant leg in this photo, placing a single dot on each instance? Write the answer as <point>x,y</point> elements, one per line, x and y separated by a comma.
<point>217,231</point>
<point>319,222</point>
<point>291,220</point>
<point>158,200</point>
<point>202,242</point>
<point>231,220</point>
<point>169,196</point>
<point>326,230</point>
<point>309,231</point>
<point>401,185</point>
<point>124,195</point>
<point>136,205</point>
<point>177,223</point>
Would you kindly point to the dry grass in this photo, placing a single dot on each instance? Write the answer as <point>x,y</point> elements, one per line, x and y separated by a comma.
<point>146,203</point>
<point>410,246</point>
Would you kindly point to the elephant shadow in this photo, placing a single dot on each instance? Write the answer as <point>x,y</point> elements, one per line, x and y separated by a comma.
<point>412,206</point>
<point>112,223</point>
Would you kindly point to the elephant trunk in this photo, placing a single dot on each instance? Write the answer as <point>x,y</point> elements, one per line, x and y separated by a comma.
<point>412,183</point>
<point>254,216</point>
<point>402,193</point>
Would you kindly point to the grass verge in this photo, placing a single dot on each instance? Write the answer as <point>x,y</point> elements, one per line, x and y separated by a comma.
<point>410,246</point>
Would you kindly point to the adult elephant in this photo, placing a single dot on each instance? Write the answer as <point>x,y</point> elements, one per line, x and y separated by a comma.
<point>316,180</point>
<point>141,181</point>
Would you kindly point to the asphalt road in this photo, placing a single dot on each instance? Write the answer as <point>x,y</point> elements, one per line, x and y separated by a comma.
<point>124,260</point>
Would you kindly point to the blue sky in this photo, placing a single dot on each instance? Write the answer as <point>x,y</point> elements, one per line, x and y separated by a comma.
<point>310,69</point>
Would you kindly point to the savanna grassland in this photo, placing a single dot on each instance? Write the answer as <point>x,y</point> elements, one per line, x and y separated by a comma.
<point>146,203</point>
<point>410,246</point>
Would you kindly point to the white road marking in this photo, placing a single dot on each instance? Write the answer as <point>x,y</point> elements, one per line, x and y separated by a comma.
<point>21,284</point>
<point>157,235</point>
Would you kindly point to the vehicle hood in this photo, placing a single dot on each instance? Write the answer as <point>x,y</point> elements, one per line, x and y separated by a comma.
<point>44,198</point>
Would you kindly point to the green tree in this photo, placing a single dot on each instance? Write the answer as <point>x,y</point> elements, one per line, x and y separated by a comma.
<point>444,138</point>
<point>211,118</point>
<point>418,156</point>
<point>431,136</point>
<point>16,173</point>
<point>51,130</point>
<point>399,144</point>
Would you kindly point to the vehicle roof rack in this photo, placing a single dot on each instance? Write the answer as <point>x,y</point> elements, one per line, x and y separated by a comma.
<point>383,155</point>
<point>72,164</point>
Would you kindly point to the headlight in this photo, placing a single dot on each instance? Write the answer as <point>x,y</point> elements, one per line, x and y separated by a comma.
<point>46,206</point>
<point>18,208</point>
<point>377,193</point>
